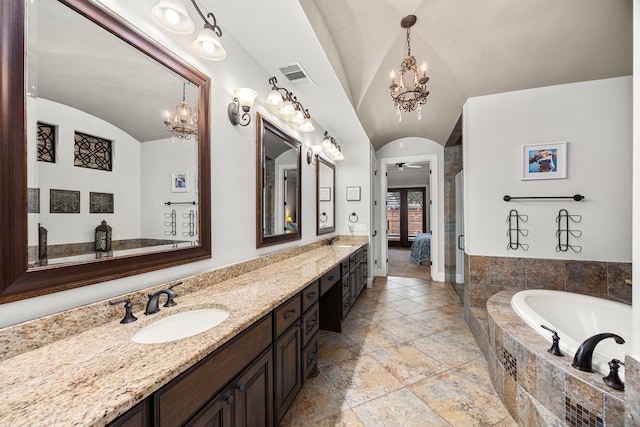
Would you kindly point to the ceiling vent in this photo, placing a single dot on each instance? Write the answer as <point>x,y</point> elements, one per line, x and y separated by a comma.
<point>296,75</point>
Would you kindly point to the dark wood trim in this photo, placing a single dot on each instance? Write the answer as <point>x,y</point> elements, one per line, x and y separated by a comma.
<point>263,125</point>
<point>404,215</point>
<point>18,282</point>
<point>325,230</point>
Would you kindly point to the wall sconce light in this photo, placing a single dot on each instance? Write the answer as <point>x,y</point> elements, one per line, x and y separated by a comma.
<point>172,15</point>
<point>243,100</point>
<point>288,107</point>
<point>329,147</point>
<point>312,154</point>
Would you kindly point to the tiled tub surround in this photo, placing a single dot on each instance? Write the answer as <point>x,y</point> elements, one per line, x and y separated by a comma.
<point>92,373</point>
<point>537,387</point>
<point>488,275</point>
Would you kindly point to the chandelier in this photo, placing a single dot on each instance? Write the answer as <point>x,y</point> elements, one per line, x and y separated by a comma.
<point>410,93</point>
<point>184,123</point>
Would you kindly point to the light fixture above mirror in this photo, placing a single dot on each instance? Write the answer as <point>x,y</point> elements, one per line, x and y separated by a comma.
<point>172,15</point>
<point>329,147</point>
<point>288,107</point>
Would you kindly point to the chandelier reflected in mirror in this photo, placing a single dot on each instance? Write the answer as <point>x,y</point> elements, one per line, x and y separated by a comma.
<point>183,124</point>
<point>410,92</point>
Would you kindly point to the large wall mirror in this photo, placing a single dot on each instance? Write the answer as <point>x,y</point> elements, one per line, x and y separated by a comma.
<point>84,148</point>
<point>325,193</point>
<point>278,207</point>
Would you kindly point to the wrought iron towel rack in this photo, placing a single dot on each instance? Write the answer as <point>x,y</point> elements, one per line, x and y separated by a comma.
<point>576,197</point>
<point>181,203</point>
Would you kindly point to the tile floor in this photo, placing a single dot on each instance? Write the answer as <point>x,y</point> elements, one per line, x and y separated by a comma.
<point>405,358</point>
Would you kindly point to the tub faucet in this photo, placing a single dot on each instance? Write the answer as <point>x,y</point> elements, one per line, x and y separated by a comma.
<point>152,304</point>
<point>582,359</point>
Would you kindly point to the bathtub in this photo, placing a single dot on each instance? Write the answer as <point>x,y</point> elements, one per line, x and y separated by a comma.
<point>576,317</point>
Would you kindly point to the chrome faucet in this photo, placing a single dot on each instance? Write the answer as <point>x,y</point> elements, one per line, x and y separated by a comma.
<point>582,359</point>
<point>152,304</point>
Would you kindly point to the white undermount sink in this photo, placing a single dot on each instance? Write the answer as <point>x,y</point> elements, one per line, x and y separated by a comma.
<point>343,246</point>
<point>180,325</point>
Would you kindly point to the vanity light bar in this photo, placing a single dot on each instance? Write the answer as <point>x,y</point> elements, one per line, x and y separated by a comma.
<point>288,107</point>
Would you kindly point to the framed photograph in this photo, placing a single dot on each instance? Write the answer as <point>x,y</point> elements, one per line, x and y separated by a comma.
<point>100,202</point>
<point>180,182</point>
<point>353,193</point>
<point>64,201</point>
<point>544,161</point>
<point>324,194</point>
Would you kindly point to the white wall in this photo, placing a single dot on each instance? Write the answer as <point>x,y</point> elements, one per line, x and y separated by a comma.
<point>415,149</point>
<point>595,119</point>
<point>233,163</point>
<point>636,175</point>
<point>159,159</point>
<point>123,181</point>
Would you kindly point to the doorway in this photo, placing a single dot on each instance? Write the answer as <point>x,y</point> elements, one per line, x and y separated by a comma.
<point>406,215</point>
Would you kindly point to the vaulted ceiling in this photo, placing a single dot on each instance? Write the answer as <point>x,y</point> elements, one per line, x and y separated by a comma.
<point>471,47</point>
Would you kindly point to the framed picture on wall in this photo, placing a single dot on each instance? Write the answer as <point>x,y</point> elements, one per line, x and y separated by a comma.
<point>180,182</point>
<point>353,193</point>
<point>544,161</point>
<point>324,194</point>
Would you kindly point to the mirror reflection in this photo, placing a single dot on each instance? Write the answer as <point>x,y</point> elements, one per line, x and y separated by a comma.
<point>106,176</point>
<point>325,191</point>
<point>277,185</point>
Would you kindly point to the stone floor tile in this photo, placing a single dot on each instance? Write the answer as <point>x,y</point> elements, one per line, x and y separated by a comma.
<point>400,408</point>
<point>463,396</point>
<point>406,306</point>
<point>372,337</point>
<point>409,291</point>
<point>407,363</point>
<point>335,347</point>
<point>406,328</point>
<point>343,419</point>
<point>318,399</point>
<point>451,347</point>
<point>362,379</point>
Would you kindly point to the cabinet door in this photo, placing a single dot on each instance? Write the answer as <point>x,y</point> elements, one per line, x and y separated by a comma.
<point>253,392</point>
<point>135,417</point>
<point>218,413</point>
<point>288,369</point>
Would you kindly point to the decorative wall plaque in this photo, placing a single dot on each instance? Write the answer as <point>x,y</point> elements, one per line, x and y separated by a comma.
<point>64,201</point>
<point>46,142</point>
<point>92,152</point>
<point>100,202</point>
<point>33,200</point>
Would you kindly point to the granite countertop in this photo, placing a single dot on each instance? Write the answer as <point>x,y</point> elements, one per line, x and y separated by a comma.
<point>93,377</point>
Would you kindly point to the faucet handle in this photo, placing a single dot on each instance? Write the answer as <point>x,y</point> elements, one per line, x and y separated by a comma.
<point>175,284</point>
<point>613,379</point>
<point>128,315</point>
<point>555,347</point>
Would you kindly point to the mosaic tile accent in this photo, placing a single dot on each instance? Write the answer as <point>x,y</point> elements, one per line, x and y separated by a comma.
<point>510,364</point>
<point>577,416</point>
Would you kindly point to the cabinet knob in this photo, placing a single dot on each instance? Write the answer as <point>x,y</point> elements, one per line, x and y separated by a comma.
<point>240,387</point>
<point>228,399</point>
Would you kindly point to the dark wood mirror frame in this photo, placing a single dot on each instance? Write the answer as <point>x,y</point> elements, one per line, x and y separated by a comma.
<point>263,125</point>
<point>16,281</point>
<point>320,161</point>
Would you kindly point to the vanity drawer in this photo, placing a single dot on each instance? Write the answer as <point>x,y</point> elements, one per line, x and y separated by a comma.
<point>346,305</point>
<point>359,254</point>
<point>328,280</point>
<point>310,323</point>
<point>310,358</point>
<point>286,315</point>
<point>352,261</point>
<point>310,295</point>
<point>345,284</point>
<point>345,266</point>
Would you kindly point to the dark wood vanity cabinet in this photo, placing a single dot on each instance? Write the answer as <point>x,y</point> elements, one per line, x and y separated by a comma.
<point>253,379</point>
<point>201,392</point>
<point>287,349</point>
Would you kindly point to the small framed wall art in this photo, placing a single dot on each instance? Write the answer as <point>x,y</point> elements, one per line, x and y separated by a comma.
<point>64,201</point>
<point>324,194</point>
<point>180,181</point>
<point>353,193</point>
<point>100,202</point>
<point>544,161</point>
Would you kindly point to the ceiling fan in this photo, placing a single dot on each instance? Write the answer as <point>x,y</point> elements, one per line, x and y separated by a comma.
<point>408,165</point>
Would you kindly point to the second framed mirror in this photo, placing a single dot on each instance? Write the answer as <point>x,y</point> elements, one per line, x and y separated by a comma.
<point>325,197</point>
<point>278,185</point>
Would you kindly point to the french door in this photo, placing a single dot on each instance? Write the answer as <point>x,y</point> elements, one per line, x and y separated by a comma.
<point>405,215</point>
